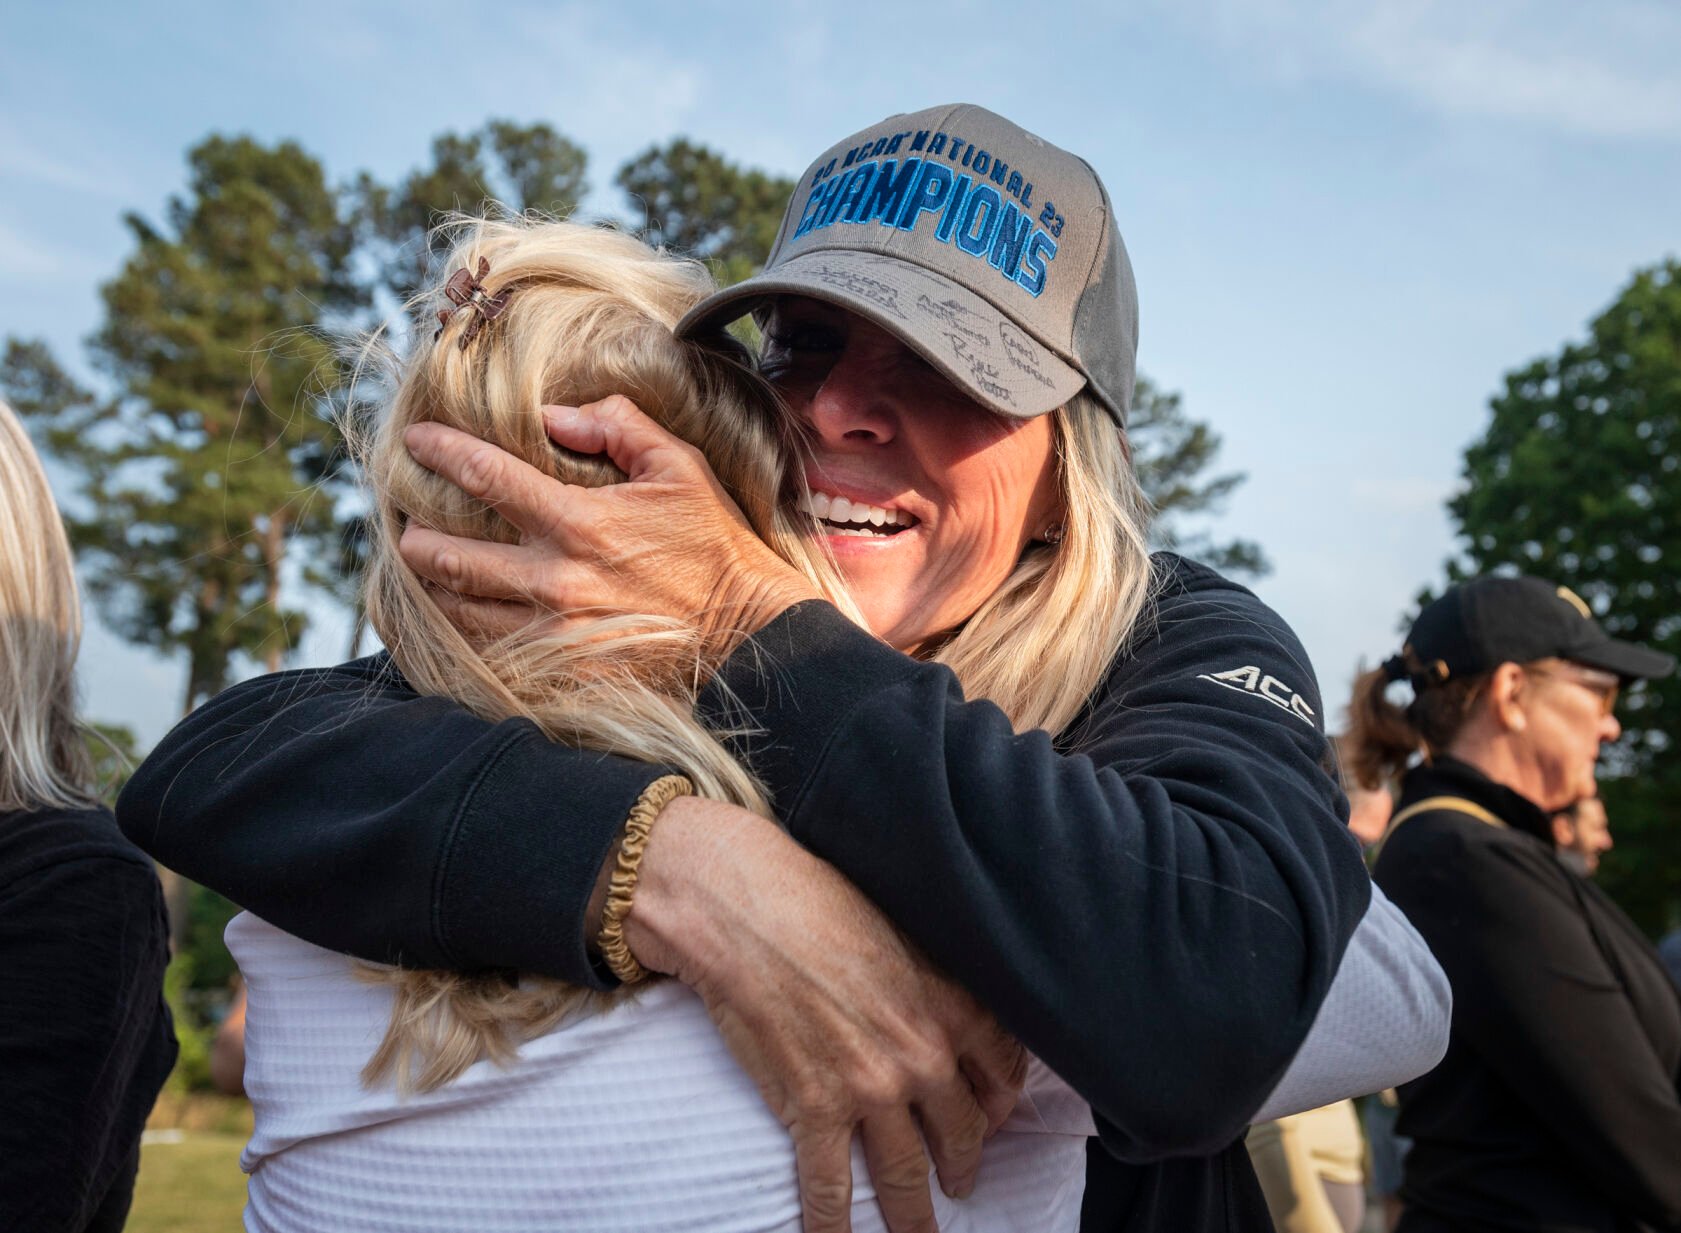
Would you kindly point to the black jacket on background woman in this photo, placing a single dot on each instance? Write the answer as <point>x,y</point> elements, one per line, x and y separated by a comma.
<point>1558,1105</point>
<point>86,1041</point>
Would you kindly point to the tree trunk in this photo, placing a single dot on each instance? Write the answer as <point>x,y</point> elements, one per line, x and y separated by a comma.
<point>274,553</point>
<point>202,678</point>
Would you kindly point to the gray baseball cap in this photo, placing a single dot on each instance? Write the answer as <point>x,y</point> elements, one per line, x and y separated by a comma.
<point>988,251</point>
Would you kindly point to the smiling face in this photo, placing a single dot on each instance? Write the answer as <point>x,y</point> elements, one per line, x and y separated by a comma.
<point>928,499</point>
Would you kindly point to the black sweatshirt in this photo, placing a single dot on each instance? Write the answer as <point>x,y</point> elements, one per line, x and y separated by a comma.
<point>1155,902</point>
<point>1558,1105</point>
<point>85,1039</point>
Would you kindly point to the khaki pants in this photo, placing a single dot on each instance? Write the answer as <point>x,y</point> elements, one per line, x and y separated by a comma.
<point>1295,1157</point>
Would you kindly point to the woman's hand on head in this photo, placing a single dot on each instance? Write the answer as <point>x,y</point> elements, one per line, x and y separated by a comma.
<point>840,1024</point>
<point>667,542</point>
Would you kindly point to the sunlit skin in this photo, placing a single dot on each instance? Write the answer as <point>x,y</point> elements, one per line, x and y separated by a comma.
<point>1585,831</point>
<point>971,490</point>
<point>1541,729</point>
<point>1569,721</point>
<point>1369,811</point>
<point>889,430</point>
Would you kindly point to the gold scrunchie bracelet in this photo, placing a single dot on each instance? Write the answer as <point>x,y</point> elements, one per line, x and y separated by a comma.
<point>622,886</point>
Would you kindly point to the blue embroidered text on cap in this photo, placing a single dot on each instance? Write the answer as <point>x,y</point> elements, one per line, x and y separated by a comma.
<point>972,214</point>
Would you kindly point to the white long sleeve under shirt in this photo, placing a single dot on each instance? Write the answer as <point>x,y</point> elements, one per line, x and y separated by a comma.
<point>638,1120</point>
<point>634,1120</point>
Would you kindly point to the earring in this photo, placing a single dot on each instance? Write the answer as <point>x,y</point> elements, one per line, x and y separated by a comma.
<point>1053,534</point>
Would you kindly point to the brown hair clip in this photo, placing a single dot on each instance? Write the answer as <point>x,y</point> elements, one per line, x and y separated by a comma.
<point>466,290</point>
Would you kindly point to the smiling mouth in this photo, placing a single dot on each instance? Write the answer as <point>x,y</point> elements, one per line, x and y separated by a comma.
<point>842,516</point>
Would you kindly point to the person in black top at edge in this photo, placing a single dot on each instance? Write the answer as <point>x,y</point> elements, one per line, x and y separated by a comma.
<point>1557,1106</point>
<point>85,1038</point>
<point>1154,900</point>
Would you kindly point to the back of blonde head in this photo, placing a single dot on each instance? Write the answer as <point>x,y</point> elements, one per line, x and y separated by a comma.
<point>43,760</point>
<point>590,314</point>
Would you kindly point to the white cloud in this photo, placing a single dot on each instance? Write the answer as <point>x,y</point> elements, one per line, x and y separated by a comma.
<point>31,257</point>
<point>1525,68</point>
<point>1600,71</point>
<point>26,163</point>
<point>619,84</point>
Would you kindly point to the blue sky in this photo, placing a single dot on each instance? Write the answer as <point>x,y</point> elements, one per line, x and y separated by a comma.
<point>1347,220</point>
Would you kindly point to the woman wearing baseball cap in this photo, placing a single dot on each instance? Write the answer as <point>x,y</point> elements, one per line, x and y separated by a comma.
<point>1128,851</point>
<point>1558,1106</point>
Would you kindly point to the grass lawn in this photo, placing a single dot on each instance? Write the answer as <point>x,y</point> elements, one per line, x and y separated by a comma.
<point>190,1186</point>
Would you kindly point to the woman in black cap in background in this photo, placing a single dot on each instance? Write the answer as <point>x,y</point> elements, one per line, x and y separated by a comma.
<point>1556,1107</point>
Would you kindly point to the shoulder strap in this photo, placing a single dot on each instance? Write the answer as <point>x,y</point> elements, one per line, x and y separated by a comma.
<point>1454,803</point>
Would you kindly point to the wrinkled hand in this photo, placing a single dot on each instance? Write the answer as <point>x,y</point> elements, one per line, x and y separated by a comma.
<point>668,541</point>
<point>842,1026</point>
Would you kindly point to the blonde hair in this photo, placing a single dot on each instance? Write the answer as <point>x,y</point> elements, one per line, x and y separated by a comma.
<point>1040,645</point>
<point>590,315</point>
<point>43,759</point>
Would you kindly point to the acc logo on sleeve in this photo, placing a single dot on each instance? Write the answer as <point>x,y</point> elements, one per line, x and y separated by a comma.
<point>1252,681</point>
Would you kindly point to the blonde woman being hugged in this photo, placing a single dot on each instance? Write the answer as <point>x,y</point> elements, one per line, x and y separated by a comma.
<point>508,1101</point>
<point>85,1038</point>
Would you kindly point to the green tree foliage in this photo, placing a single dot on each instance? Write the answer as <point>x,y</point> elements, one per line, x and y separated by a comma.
<point>520,167</point>
<point>502,164</point>
<point>1171,453</point>
<point>192,1032</point>
<point>114,753</point>
<point>698,203</point>
<point>1578,479</point>
<point>206,463</point>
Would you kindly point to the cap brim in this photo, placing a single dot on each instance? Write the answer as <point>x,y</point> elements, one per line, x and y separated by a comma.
<point>982,351</point>
<point>1627,659</point>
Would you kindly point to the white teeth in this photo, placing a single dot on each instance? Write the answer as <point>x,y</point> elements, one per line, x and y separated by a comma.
<point>844,509</point>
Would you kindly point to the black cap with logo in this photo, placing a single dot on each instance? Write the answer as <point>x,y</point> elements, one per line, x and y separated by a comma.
<point>1479,625</point>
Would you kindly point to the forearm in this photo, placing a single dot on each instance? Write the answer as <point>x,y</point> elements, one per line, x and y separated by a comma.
<point>344,808</point>
<point>1170,900</point>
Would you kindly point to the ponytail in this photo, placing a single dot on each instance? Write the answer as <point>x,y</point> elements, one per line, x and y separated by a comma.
<point>1383,739</point>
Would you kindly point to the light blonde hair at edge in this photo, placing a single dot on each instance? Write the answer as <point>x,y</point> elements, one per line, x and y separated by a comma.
<point>590,315</point>
<point>43,759</point>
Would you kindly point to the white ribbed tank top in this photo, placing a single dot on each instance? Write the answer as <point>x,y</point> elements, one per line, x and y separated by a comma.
<point>633,1120</point>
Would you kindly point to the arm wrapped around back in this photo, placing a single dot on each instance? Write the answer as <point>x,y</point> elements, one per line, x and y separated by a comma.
<point>1156,901</point>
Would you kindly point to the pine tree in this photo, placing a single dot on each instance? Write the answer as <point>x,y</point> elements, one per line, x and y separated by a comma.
<point>696,202</point>
<point>517,167</point>
<point>215,454</point>
<point>1171,452</point>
